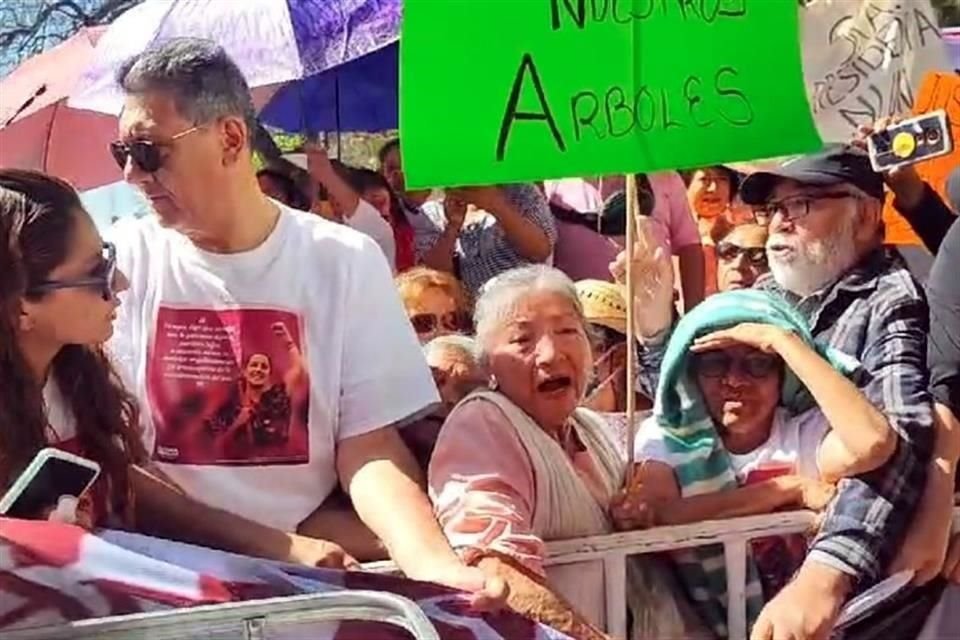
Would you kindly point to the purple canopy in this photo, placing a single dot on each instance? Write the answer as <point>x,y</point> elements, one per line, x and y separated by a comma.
<point>273,42</point>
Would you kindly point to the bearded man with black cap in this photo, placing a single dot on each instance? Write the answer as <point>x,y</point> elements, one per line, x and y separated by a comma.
<point>826,256</point>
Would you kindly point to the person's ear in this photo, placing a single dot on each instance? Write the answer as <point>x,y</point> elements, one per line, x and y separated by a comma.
<point>234,139</point>
<point>869,216</point>
<point>26,319</point>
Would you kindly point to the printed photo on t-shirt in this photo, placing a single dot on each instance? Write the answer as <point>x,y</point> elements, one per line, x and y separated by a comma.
<point>228,387</point>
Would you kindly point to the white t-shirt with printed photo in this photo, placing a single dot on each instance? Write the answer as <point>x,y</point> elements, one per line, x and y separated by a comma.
<point>792,448</point>
<point>251,367</point>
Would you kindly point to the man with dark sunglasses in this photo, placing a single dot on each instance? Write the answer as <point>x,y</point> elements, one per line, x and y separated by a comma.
<point>826,255</point>
<point>213,274</point>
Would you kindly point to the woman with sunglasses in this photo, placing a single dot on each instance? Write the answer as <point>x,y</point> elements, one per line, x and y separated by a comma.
<point>58,389</point>
<point>751,417</point>
<point>741,254</point>
<point>436,303</point>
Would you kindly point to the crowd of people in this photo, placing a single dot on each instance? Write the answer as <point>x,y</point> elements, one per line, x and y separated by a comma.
<point>340,369</point>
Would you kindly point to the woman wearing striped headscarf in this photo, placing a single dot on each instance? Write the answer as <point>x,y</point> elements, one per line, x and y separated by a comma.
<point>751,416</point>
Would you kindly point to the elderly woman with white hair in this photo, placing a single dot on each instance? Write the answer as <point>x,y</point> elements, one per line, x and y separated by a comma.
<point>521,463</point>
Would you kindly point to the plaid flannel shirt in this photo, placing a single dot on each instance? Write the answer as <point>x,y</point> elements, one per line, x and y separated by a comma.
<point>878,314</point>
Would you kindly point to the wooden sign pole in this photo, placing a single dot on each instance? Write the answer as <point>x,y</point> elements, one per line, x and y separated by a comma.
<point>632,206</point>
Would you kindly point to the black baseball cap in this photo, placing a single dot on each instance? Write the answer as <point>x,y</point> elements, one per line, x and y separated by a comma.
<point>836,164</point>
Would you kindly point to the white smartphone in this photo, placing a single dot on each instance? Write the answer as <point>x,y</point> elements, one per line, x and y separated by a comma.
<point>910,141</point>
<point>51,475</point>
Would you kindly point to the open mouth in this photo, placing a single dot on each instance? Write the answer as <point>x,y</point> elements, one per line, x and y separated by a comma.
<point>555,384</point>
<point>154,196</point>
<point>734,403</point>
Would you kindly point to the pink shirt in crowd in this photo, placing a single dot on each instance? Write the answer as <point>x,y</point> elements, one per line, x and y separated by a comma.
<point>487,502</point>
<point>581,253</point>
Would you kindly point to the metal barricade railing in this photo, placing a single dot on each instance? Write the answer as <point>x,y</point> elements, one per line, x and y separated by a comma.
<point>733,534</point>
<point>293,616</point>
<point>252,620</point>
<point>613,549</point>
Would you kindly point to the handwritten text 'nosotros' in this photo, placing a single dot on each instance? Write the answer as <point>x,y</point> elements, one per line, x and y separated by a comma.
<point>626,11</point>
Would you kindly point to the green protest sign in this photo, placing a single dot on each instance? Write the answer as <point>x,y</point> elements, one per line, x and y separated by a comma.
<point>496,91</point>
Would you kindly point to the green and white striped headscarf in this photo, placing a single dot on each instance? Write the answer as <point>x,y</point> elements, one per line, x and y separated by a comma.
<point>696,452</point>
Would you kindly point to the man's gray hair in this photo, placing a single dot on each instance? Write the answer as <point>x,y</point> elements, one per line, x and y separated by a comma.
<point>204,82</point>
<point>464,345</point>
<point>500,296</point>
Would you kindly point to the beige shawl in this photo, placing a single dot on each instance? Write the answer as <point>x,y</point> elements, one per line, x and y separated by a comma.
<point>565,508</point>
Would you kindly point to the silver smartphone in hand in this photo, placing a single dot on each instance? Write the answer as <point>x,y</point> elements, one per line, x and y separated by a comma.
<point>51,475</point>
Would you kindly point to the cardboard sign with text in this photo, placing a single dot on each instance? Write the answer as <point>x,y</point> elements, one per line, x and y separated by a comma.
<point>493,91</point>
<point>865,59</point>
<point>938,91</point>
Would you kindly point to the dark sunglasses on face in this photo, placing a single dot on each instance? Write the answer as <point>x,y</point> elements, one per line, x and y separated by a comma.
<point>717,364</point>
<point>147,155</point>
<point>729,252</point>
<point>100,279</point>
<point>795,207</point>
<point>429,322</point>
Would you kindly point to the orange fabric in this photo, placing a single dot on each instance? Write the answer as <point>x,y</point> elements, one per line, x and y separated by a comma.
<point>938,91</point>
<point>898,230</point>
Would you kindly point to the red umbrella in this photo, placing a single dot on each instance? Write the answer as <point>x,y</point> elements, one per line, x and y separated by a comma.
<point>39,131</point>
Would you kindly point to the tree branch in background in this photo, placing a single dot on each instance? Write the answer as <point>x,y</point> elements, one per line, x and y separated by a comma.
<point>27,27</point>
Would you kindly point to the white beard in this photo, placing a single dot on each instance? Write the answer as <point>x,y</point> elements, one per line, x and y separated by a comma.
<point>816,264</point>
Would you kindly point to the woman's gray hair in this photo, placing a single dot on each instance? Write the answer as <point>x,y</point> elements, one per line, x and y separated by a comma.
<point>204,82</point>
<point>463,345</point>
<point>500,296</point>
